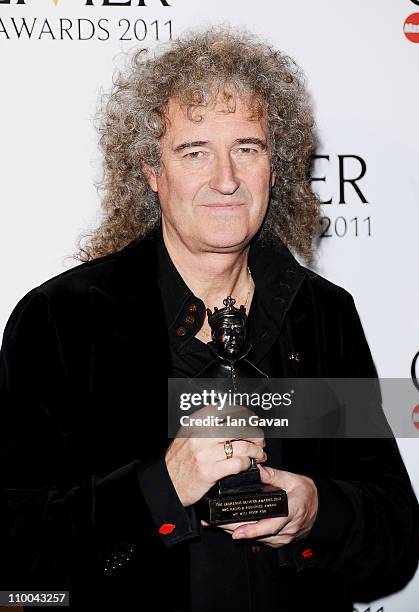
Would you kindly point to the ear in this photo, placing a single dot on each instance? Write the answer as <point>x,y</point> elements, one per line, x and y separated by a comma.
<point>151,176</point>
<point>273,178</point>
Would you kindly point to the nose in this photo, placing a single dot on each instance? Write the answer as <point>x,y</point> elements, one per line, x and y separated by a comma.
<point>223,176</point>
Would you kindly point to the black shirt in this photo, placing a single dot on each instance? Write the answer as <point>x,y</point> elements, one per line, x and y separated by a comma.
<point>219,565</point>
<point>185,313</point>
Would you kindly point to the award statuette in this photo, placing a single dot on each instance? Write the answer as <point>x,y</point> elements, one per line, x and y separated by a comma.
<point>239,497</point>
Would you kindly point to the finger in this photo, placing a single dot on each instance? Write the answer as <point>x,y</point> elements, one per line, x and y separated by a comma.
<point>245,443</point>
<point>243,448</point>
<point>278,540</point>
<point>230,527</point>
<point>227,467</point>
<point>259,441</point>
<point>270,475</point>
<point>264,527</point>
<point>243,432</point>
<point>235,465</point>
<point>289,532</point>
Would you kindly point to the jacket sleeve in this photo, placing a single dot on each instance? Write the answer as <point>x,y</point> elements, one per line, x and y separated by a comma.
<point>367,518</point>
<point>53,534</point>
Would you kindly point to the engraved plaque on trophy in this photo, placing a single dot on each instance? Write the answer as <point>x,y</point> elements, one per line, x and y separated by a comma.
<point>239,497</point>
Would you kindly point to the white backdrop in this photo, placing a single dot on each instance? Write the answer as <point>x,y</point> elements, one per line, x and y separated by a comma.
<point>56,56</point>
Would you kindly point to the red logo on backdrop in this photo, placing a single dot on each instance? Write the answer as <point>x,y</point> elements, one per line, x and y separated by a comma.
<point>415,416</point>
<point>411,28</point>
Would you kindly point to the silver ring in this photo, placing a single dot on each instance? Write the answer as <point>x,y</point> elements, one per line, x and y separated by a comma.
<point>228,449</point>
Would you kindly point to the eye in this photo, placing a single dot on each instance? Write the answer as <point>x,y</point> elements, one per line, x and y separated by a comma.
<point>194,155</point>
<point>247,151</point>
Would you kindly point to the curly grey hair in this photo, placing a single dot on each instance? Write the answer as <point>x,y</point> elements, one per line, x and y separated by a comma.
<point>193,70</point>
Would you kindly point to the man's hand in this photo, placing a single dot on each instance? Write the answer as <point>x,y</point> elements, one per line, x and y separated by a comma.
<point>195,463</point>
<point>302,507</point>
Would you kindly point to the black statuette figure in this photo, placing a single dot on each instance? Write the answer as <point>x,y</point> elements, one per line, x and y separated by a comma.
<point>229,346</point>
<point>239,497</point>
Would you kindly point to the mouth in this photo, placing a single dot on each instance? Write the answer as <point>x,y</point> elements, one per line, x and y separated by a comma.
<point>219,205</point>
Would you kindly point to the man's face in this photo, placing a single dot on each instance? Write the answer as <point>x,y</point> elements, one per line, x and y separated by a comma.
<point>215,178</point>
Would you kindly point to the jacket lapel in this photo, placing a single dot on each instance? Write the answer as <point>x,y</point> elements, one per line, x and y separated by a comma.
<point>278,279</point>
<point>127,306</point>
<point>130,356</point>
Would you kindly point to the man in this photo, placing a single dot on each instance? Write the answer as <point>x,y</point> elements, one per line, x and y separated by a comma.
<point>206,155</point>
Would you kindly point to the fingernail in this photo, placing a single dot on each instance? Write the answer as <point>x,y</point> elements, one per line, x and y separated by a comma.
<point>237,536</point>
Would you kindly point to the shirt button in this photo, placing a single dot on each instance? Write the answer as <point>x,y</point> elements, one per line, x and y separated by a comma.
<point>190,319</point>
<point>192,307</point>
<point>181,331</point>
<point>255,549</point>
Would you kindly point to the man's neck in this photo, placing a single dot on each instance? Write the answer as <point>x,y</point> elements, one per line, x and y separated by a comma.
<point>211,276</point>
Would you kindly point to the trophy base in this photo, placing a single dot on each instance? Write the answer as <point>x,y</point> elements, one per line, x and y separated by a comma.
<point>266,502</point>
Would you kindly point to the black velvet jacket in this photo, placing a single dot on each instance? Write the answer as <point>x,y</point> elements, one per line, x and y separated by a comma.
<point>83,404</point>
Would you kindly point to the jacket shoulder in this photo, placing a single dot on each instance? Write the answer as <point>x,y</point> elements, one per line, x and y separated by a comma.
<point>324,289</point>
<point>66,289</point>
<point>81,277</point>
<point>115,272</point>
